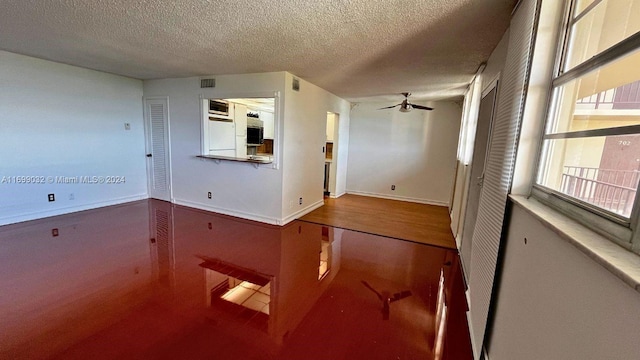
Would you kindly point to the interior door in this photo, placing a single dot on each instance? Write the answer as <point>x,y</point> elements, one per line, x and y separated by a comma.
<point>158,167</point>
<point>480,150</point>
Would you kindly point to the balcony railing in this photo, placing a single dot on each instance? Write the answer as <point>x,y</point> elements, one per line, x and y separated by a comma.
<point>612,190</point>
<point>623,97</point>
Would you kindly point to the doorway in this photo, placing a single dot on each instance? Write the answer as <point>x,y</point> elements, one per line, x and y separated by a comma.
<point>331,155</point>
<point>157,144</point>
<point>481,146</point>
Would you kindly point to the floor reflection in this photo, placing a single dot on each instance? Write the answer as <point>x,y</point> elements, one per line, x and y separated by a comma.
<point>154,280</point>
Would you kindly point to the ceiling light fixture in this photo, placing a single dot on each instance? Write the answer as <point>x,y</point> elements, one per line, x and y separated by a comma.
<point>406,108</point>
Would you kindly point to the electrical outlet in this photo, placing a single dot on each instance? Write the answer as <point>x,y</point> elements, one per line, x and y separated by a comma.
<point>300,201</point>
<point>55,232</point>
<point>72,196</point>
<point>51,197</point>
<point>393,187</point>
<point>209,194</point>
<point>291,204</point>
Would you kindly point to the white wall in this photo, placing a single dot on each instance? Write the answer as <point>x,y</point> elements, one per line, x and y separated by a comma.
<point>554,302</point>
<point>60,120</point>
<point>414,151</point>
<point>238,189</point>
<point>305,121</point>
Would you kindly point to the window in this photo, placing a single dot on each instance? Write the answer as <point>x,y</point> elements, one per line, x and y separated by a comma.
<point>239,128</point>
<point>591,146</point>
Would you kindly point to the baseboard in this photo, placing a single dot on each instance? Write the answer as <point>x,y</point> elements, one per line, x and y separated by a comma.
<point>337,196</point>
<point>67,210</point>
<point>473,343</point>
<point>239,214</point>
<point>401,198</point>
<point>302,212</point>
<point>485,354</point>
<point>483,350</point>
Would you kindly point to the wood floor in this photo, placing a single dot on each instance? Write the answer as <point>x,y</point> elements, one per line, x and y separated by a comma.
<point>427,224</point>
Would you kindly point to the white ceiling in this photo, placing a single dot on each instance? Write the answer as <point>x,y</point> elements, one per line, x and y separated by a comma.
<point>354,48</point>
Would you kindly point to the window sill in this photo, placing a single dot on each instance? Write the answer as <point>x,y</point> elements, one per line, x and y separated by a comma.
<point>619,261</point>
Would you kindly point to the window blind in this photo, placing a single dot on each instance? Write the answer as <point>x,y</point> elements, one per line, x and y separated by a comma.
<point>499,169</point>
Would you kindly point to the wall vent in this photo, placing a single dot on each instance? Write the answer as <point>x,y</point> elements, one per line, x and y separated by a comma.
<point>207,83</point>
<point>296,84</point>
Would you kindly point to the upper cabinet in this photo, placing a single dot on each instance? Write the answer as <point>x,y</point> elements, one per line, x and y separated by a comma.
<point>331,123</point>
<point>267,118</point>
<point>240,118</point>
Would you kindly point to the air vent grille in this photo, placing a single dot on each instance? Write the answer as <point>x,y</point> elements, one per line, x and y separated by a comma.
<point>207,83</point>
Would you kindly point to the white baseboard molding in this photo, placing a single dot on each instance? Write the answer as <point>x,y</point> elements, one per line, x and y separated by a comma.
<point>302,212</point>
<point>473,343</point>
<point>13,219</point>
<point>483,350</point>
<point>337,196</point>
<point>238,214</point>
<point>401,198</point>
<point>486,354</point>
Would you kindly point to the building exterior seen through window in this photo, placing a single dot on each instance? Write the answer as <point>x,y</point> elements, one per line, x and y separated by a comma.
<point>591,146</point>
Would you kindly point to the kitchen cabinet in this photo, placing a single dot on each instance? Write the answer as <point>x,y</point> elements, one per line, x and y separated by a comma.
<point>222,135</point>
<point>240,119</point>
<point>268,123</point>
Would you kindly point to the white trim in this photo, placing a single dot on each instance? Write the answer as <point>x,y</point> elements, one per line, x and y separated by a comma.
<point>490,85</point>
<point>238,214</point>
<point>333,196</point>
<point>302,212</point>
<point>278,115</point>
<point>67,210</point>
<point>470,321</point>
<point>400,198</point>
<point>249,216</point>
<point>485,355</point>
<point>148,147</point>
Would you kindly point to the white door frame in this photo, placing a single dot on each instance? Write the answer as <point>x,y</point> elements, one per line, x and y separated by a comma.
<point>467,236</point>
<point>148,147</point>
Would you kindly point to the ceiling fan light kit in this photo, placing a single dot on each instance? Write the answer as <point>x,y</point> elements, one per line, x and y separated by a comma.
<point>406,106</point>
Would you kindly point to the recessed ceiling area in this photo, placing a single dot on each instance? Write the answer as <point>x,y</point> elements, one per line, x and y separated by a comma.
<point>356,49</point>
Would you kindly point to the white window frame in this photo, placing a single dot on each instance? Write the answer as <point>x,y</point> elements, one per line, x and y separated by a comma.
<point>621,230</point>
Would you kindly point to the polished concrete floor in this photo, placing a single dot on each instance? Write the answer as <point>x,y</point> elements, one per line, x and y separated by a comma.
<point>151,280</point>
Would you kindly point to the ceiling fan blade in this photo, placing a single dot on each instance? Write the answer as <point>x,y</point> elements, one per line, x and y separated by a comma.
<point>389,107</point>
<point>366,284</point>
<point>421,107</point>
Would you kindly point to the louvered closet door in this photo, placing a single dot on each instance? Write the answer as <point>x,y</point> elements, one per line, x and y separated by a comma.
<point>158,148</point>
<point>498,174</point>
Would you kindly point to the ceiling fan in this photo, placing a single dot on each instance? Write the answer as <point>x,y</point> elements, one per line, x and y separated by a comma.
<point>387,298</point>
<point>406,106</point>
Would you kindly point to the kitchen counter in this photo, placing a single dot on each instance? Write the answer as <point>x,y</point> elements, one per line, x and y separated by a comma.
<point>249,159</point>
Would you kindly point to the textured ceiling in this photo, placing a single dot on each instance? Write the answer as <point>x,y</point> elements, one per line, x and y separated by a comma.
<point>354,48</point>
